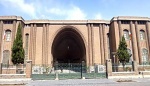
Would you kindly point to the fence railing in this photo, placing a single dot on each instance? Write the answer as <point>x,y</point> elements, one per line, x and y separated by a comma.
<point>68,71</point>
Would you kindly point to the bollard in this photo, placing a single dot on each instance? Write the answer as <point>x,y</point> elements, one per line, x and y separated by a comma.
<point>56,74</point>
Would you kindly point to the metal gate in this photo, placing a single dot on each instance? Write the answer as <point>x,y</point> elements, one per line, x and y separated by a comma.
<point>67,71</point>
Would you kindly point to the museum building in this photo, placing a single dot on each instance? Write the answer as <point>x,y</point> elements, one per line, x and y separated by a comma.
<point>74,41</point>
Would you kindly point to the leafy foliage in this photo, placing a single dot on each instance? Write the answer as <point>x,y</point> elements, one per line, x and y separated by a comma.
<point>17,49</point>
<point>122,52</point>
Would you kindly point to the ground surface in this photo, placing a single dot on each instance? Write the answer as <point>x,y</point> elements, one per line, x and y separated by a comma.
<point>80,82</point>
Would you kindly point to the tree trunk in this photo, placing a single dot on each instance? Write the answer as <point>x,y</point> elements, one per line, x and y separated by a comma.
<point>123,64</point>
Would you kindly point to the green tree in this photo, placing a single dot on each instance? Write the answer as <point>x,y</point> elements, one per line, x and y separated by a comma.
<point>122,52</point>
<point>17,49</point>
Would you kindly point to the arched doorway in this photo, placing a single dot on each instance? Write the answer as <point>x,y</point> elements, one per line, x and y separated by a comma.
<point>68,47</point>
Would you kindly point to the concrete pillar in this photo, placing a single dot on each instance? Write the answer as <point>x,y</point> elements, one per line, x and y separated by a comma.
<point>134,42</point>
<point>101,44</point>
<point>108,68</point>
<point>138,42</point>
<point>135,67</point>
<point>1,68</point>
<point>120,30</point>
<point>28,68</point>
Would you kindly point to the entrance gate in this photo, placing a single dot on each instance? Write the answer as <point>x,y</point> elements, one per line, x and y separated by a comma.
<point>66,71</point>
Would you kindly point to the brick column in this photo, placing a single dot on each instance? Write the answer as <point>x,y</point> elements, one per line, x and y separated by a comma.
<point>105,43</point>
<point>100,51</point>
<point>0,68</point>
<point>31,43</point>
<point>108,68</point>
<point>135,67</point>
<point>28,68</point>
<point>148,35</point>
<point>92,44</point>
<point>47,41</point>
<point>89,45</point>
<point>101,44</point>
<point>43,45</point>
<point>13,31</point>
<point>120,29</point>
<point>134,42</point>
<point>34,44</point>
<point>138,42</point>
<point>1,37</point>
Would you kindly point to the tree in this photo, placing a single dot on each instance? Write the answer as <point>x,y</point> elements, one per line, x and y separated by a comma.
<point>122,52</point>
<point>17,49</point>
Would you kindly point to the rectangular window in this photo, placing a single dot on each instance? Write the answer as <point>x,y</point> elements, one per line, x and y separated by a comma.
<point>8,35</point>
<point>125,22</point>
<point>8,22</point>
<point>27,25</point>
<point>141,22</point>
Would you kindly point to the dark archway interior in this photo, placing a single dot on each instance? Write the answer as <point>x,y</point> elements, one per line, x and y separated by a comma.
<point>68,47</point>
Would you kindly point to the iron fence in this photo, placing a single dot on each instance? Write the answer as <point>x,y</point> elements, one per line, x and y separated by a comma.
<point>68,71</point>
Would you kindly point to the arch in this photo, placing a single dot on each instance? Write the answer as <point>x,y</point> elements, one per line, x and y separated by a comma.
<point>70,45</point>
<point>6,55</point>
<point>27,34</point>
<point>142,35</point>
<point>144,55</point>
<point>126,34</point>
<point>72,27</point>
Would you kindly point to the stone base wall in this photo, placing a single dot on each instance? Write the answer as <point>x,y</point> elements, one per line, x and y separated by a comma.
<point>123,73</point>
<point>12,76</point>
<point>144,68</point>
<point>9,71</point>
<point>128,68</point>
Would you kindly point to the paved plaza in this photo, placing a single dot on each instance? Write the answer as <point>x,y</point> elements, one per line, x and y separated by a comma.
<point>78,82</point>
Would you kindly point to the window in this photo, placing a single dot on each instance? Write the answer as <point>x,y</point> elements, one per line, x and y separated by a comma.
<point>125,22</point>
<point>27,25</point>
<point>144,55</point>
<point>7,35</point>
<point>141,22</point>
<point>8,22</point>
<point>142,35</point>
<point>126,34</point>
<point>6,55</point>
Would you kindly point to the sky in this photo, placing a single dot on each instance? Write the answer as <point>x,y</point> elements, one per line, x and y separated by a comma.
<point>74,9</point>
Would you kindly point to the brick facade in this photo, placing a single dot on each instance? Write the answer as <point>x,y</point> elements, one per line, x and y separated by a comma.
<point>95,40</point>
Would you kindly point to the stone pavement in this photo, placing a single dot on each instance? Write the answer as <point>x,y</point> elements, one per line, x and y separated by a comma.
<point>80,82</point>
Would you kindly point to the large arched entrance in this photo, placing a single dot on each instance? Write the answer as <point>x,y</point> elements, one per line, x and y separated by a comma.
<point>68,47</point>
